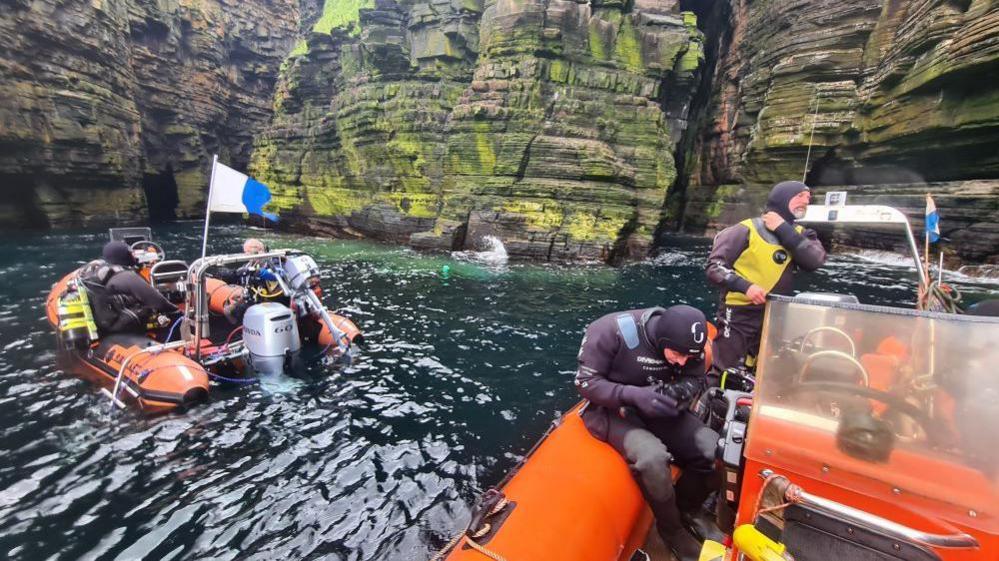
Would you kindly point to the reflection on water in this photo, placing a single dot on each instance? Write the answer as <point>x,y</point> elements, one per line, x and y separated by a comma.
<point>378,461</point>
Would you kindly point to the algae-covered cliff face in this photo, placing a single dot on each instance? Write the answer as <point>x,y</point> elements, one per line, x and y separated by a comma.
<point>112,108</point>
<point>901,95</point>
<point>549,123</point>
<point>568,128</point>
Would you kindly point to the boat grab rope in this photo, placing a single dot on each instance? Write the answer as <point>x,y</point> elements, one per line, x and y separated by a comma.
<point>221,378</point>
<point>471,536</point>
<point>124,364</point>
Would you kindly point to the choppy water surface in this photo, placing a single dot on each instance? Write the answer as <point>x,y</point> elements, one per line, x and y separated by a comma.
<point>378,461</point>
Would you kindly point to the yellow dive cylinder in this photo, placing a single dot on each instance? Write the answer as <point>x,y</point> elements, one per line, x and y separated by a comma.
<point>756,546</point>
<point>76,321</point>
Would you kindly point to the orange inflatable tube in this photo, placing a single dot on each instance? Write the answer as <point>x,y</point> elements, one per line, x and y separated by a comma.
<point>220,294</point>
<point>573,499</point>
<point>350,330</point>
<point>158,381</point>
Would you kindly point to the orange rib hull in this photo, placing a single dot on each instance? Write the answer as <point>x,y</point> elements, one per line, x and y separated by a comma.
<point>574,500</point>
<point>156,383</point>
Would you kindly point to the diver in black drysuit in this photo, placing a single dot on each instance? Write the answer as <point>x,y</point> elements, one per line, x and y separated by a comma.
<point>123,302</point>
<point>756,257</point>
<point>641,369</point>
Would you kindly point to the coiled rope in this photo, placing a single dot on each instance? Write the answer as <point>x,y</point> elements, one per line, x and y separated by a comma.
<point>940,298</point>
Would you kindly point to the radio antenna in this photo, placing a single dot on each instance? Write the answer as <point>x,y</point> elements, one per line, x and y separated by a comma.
<point>815,116</point>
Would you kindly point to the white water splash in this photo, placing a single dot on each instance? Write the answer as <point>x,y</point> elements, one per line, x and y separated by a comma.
<point>972,274</point>
<point>672,258</point>
<point>889,258</point>
<point>494,253</point>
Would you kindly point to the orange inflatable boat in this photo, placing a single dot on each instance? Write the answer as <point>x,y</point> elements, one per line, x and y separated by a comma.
<point>155,381</point>
<point>226,333</point>
<point>546,511</point>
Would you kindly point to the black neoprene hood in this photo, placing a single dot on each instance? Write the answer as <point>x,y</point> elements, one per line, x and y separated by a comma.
<point>781,195</point>
<point>681,328</point>
<point>118,253</point>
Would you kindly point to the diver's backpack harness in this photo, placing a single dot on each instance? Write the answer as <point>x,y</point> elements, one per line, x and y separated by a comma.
<point>113,313</point>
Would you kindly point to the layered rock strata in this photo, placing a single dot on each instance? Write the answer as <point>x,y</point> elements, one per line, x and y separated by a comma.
<point>557,125</point>
<point>551,124</point>
<point>113,108</point>
<point>897,93</point>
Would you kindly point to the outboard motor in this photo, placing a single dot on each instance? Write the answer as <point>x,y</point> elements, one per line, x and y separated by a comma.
<point>270,333</point>
<point>300,269</point>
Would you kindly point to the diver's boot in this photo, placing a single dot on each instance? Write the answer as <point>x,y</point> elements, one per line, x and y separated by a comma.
<point>692,491</point>
<point>681,542</point>
<point>683,545</point>
<point>702,525</point>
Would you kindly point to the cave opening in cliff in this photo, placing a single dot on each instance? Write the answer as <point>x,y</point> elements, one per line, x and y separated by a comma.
<point>161,195</point>
<point>827,169</point>
<point>713,21</point>
<point>21,206</point>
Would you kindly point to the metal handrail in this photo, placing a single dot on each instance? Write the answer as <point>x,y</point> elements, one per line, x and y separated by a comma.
<point>155,276</point>
<point>958,540</point>
<point>868,214</point>
<point>197,305</point>
<point>833,353</point>
<point>824,328</point>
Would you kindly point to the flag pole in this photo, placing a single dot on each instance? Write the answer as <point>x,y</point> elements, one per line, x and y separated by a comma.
<point>926,245</point>
<point>208,206</point>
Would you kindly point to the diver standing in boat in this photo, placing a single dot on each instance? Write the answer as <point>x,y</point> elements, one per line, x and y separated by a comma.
<point>641,369</point>
<point>756,257</point>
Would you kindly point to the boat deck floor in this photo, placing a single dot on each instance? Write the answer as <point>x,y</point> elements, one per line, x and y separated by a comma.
<point>655,547</point>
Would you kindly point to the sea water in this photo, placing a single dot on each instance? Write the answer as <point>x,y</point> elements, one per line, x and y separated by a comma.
<point>379,460</point>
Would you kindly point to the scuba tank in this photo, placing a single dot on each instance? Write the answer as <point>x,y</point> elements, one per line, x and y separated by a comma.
<point>76,320</point>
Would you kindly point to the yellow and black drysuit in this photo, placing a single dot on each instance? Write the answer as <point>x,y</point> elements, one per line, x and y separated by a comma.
<point>748,253</point>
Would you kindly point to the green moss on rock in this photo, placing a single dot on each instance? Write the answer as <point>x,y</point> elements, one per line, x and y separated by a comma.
<point>341,14</point>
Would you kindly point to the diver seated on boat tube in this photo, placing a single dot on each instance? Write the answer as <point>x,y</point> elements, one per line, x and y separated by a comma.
<point>641,370</point>
<point>252,246</point>
<point>123,302</point>
<point>254,277</point>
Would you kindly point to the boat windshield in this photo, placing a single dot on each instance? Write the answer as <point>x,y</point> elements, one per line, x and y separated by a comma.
<point>882,401</point>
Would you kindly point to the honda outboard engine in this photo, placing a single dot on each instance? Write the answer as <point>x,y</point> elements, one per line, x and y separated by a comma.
<point>300,269</point>
<point>270,334</point>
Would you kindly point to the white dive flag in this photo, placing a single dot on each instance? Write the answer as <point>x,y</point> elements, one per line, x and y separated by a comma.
<point>232,191</point>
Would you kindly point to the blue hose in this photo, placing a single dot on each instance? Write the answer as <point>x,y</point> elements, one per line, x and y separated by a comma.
<point>172,327</point>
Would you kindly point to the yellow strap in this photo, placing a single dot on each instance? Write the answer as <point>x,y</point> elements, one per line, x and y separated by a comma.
<point>72,324</point>
<point>260,292</point>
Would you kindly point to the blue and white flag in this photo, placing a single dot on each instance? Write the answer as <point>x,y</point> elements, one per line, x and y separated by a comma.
<point>932,220</point>
<point>232,191</point>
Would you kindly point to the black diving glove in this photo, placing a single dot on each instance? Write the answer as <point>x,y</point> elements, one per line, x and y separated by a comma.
<point>649,402</point>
